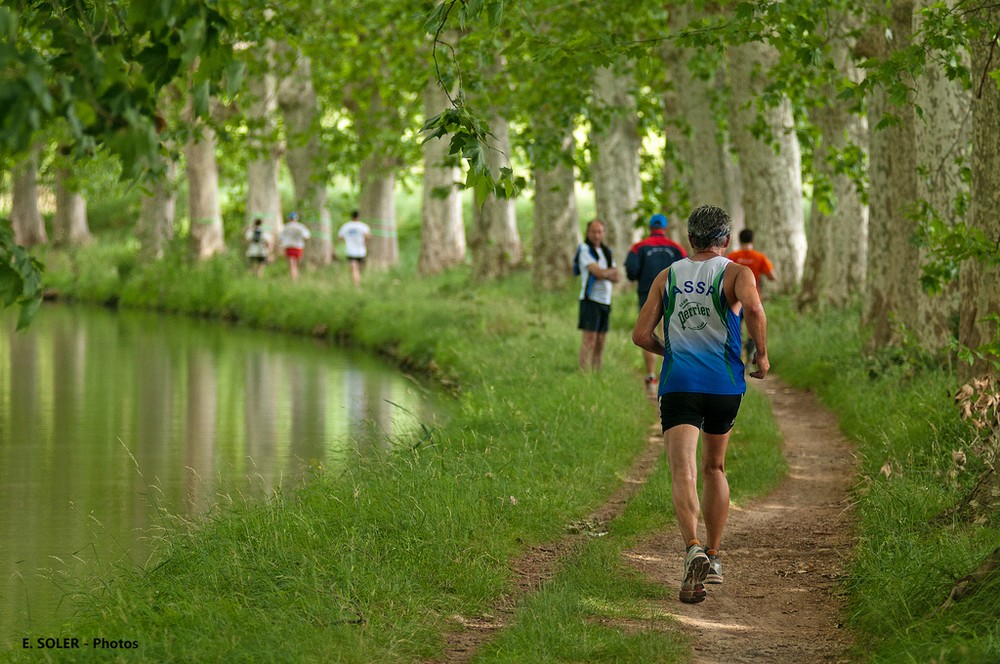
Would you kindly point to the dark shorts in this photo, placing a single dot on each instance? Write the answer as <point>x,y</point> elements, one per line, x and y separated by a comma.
<point>257,259</point>
<point>594,316</point>
<point>360,260</point>
<point>712,413</point>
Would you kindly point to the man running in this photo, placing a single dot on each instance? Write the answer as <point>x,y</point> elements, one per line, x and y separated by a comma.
<point>699,300</point>
<point>758,263</point>
<point>645,260</point>
<point>293,238</point>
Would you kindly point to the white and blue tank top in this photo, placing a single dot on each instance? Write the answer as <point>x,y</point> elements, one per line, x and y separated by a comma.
<point>701,334</point>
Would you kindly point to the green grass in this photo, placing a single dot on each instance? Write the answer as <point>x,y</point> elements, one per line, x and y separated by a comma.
<point>577,617</point>
<point>898,407</point>
<point>372,561</point>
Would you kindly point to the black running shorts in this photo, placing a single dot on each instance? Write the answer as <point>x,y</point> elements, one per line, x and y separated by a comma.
<point>594,316</point>
<point>712,413</point>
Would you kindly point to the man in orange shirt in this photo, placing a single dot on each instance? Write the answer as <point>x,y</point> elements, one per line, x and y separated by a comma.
<point>758,263</point>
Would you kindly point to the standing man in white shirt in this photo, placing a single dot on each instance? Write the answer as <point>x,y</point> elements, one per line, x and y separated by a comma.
<point>598,274</point>
<point>293,240</point>
<point>355,235</point>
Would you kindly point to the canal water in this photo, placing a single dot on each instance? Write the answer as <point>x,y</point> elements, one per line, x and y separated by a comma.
<point>112,422</point>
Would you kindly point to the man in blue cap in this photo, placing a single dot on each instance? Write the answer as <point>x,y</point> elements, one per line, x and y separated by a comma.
<point>645,260</point>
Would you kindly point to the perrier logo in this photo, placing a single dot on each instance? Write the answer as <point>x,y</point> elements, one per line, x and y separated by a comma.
<point>693,315</point>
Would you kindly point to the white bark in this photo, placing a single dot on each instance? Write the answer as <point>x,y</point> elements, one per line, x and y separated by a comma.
<point>29,227</point>
<point>204,211</point>
<point>835,261</point>
<point>376,198</point>
<point>702,145</point>
<point>772,180</point>
<point>442,231</point>
<point>980,282</point>
<point>557,227</point>
<point>893,287</point>
<point>496,243</point>
<point>70,223</point>
<point>305,158</point>
<point>377,206</point>
<point>617,187</point>
<point>944,135</point>
<point>263,197</point>
<point>155,228</point>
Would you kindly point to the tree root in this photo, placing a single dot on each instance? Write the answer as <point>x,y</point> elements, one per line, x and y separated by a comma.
<point>970,583</point>
<point>979,506</point>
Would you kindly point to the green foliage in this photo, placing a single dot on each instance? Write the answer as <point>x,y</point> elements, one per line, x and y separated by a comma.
<point>98,66</point>
<point>20,277</point>
<point>470,141</point>
<point>948,246</point>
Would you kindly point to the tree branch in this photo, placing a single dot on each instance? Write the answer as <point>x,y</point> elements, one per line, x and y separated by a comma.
<point>454,57</point>
<point>986,67</point>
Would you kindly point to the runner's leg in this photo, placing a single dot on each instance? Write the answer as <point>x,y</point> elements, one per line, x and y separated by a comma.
<point>682,448</point>
<point>715,487</point>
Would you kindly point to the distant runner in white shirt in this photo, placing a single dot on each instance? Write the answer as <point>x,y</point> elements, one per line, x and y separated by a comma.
<point>355,234</point>
<point>293,238</point>
<point>259,243</point>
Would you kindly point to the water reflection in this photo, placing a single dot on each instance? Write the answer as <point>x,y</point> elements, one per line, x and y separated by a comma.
<point>106,418</point>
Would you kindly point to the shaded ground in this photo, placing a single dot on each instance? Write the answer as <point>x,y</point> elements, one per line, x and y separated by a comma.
<point>783,555</point>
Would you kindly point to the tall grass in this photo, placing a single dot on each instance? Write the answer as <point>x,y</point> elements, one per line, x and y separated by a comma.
<point>909,554</point>
<point>371,562</point>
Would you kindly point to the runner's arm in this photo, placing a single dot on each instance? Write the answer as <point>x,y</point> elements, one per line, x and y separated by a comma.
<point>745,288</point>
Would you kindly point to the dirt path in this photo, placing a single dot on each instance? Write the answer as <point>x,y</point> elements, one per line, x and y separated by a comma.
<point>783,555</point>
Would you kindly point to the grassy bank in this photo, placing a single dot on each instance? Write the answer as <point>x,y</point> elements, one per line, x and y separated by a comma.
<point>372,563</point>
<point>898,406</point>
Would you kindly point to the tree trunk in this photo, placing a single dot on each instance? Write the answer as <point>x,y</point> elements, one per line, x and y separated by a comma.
<point>442,231</point>
<point>376,199</point>
<point>942,152</point>
<point>305,159</point>
<point>835,260</point>
<point>263,197</point>
<point>557,226</point>
<point>496,244</point>
<point>980,282</point>
<point>893,280</point>
<point>70,223</point>
<point>29,227</point>
<point>615,137</point>
<point>377,205</point>
<point>701,144</point>
<point>203,195</point>
<point>155,228</point>
<point>772,181</point>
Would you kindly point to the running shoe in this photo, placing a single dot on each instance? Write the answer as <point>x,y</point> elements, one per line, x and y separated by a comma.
<point>714,570</point>
<point>696,566</point>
